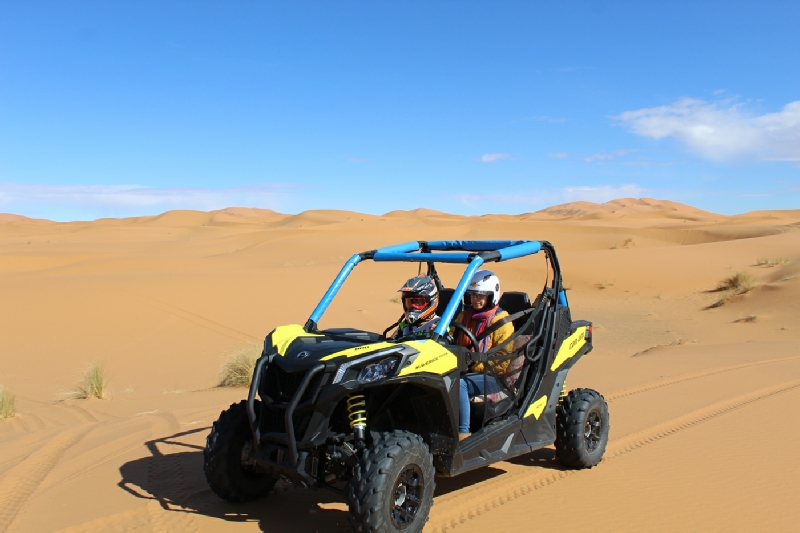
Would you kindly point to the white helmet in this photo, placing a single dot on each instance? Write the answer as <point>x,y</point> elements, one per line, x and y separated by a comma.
<point>485,282</point>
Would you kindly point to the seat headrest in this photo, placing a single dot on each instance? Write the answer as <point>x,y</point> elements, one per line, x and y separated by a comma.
<point>514,302</point>
<point>445,295</point>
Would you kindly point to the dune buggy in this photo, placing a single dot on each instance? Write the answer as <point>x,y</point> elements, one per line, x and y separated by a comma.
<point>375,418</point>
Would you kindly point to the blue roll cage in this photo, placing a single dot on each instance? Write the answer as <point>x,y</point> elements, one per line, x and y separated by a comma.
<point>471,253</point>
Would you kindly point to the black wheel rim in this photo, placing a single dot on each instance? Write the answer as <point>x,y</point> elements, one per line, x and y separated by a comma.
<point>592,430</point>
<point>406,498</point>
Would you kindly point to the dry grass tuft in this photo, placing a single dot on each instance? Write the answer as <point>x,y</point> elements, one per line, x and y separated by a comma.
<point>733,286</point>
<point>395,300</point>
<point>7,409</point>
<point>238,369</point>
<point>748,318</point>
<point>629,243</point>
<point>771,261</point>
<point>677,342</point>
<point>741,282</point>
<point>93,384</point>
<point>605,284</point>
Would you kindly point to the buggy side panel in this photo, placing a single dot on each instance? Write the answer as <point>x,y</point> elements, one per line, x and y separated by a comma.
<point>571,346</point>
<point>539,417</point>
<point>433,358</point>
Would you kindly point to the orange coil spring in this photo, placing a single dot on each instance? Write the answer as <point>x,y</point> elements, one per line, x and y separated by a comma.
<point>357,411</point>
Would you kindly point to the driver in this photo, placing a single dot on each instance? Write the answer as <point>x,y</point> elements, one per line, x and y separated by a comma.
<point>482,297</point>
<point>420,297</point>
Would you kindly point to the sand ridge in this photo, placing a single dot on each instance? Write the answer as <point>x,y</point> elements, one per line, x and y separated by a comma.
<point>699,396</point>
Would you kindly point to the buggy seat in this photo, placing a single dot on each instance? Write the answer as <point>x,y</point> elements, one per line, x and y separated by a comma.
<point>498,403</point>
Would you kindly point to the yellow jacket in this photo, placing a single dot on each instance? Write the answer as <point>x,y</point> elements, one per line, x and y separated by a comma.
<point>497,337</point>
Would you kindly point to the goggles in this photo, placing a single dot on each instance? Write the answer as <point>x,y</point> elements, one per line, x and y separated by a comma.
<point>415,303</point>
<point>480,294</point>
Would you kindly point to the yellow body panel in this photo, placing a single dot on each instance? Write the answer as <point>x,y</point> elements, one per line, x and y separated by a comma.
<point>283,336</point>
<point>537,407</point>
<point>433,358</point>
<point>570,347</point>
<point>359,350</point>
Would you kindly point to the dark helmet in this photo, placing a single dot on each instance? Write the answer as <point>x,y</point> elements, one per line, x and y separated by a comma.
<point>420,298</point>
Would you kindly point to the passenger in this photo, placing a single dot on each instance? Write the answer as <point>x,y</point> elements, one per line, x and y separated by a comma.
<point>482,296</point>
<point>420,297</point>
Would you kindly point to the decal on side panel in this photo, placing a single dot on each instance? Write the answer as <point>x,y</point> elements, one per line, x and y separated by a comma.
<point>537,407</point>
<point>433,358</point>
<point>570,347</point>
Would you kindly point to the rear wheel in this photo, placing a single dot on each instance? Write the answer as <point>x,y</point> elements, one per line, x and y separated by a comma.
<point>392,489</point>
<point>581,428</point>
<point>225,448</point>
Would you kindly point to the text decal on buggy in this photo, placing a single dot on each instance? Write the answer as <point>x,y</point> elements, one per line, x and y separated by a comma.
<point>283,336</point>
<point>359,350</point>
<point>433,358</point>
<point>537,407</point>
<point>570,347</point>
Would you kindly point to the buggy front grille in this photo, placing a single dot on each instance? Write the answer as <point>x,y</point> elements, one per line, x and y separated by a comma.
<point>281,385</point>
<point>272,421</point>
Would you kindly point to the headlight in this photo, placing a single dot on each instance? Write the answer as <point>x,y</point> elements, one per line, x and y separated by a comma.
<point>378,370</point>
<point>361,360</point>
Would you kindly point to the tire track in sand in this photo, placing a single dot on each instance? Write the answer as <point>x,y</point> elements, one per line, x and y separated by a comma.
<point>22,480</point>
<point>690,377</point>
<point>500,490</point>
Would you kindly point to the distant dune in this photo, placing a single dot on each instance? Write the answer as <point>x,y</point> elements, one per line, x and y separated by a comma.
<point>702,382</point>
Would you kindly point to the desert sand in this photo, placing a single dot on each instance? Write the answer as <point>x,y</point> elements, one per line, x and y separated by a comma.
<point>702,399</point>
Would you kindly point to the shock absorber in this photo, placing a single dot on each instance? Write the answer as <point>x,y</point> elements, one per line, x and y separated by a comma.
<point>563,392</point>
<point>357,413</point>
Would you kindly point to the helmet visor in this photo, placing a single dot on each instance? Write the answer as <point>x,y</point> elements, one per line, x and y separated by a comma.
<point>415,303</point>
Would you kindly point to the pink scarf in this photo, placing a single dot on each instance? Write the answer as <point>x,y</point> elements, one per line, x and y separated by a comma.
<point>477,323</point>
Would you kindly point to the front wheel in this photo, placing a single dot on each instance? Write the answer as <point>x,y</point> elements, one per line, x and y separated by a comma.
<point>222,457</point>
<point>581,428</point>
<point>392,488</point>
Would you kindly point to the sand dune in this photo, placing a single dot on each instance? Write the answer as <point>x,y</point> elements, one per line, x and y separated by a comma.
<point>701,398</point>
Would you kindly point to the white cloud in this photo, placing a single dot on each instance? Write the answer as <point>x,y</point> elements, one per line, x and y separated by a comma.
<point>558,155</point>
<point>92,201</point>
<point>492,158</point>
<point>721,130</point>
<point>603,193</point>
<point>602,156</point>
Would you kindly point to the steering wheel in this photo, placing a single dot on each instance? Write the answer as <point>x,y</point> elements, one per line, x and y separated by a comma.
<point>463,329</point>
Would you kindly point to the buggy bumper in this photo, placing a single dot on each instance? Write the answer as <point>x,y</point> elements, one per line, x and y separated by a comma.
<point>276,460</point>
<point>282,456</point>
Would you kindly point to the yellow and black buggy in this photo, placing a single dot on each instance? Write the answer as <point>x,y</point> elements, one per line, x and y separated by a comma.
<point>375,418</point>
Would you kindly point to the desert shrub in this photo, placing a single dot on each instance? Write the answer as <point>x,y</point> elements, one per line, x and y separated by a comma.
<point>748,318</point>
<point>605,284</point>
<point>7,409</point>
<point>237,371</point>
<point>741,282</point>
<point>93,384</point>
<point>771,261</point>
<point>395,300</point>
<point>725,298</point>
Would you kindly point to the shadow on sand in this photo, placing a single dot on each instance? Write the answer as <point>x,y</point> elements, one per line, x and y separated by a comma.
<point>173,476</point>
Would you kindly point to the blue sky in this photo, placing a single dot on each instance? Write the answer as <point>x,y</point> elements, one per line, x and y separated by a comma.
<point>129,108</point>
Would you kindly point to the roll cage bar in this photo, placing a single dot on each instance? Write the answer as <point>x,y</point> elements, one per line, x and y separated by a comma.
<point>472,253</point>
